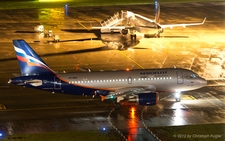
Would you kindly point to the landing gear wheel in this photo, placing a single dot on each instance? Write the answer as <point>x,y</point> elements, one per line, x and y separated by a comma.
<point>121,47</point>
<point>117,105</point>
<point>157,35</point>
<point>177,99</point>
<point>177,96</point>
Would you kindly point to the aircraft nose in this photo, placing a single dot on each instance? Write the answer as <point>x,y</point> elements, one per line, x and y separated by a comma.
<point>203,82</point>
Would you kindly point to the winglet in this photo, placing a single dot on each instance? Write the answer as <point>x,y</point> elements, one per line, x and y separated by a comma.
<point>204,20</point>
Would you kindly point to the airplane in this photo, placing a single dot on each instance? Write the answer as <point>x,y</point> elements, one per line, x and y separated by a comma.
<point>125,29</point>
<point>140,86</point>
<point>128,22</point>
<point>114,41</point>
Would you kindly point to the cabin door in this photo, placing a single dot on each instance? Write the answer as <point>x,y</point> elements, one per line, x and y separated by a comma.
<point>129,79</point>
<point>57,83</point>
<point>180,77</point>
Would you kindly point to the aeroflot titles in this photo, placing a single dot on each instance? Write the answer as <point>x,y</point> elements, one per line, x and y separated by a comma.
<point>157,72</point>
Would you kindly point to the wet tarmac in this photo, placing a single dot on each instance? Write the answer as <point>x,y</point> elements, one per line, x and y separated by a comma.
<point>199,48</point>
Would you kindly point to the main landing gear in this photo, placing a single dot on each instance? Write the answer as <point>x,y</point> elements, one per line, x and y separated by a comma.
<point>157,35</point>
<point>116,103</point>
<point>133,37</point>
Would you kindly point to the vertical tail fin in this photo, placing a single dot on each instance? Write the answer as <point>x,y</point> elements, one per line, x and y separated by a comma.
<point>30,63</point>
<point>157,11</point>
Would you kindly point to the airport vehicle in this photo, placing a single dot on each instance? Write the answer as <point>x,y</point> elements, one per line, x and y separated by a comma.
<point>127,22</point>
<point>141,86</point>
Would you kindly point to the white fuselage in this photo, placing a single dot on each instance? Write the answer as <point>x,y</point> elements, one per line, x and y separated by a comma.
<point>151,79</point>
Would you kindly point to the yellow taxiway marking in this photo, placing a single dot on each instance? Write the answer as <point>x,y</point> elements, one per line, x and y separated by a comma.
<point>82,25</point>
<point>172,54</point>
<point>131,59</point>
<point>188,97</point>
<point>178,57</point>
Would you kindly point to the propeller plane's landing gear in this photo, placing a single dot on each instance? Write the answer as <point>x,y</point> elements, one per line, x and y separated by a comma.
<point>177,96</point>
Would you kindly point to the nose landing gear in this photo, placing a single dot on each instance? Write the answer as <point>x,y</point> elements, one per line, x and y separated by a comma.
<point>177,96</point>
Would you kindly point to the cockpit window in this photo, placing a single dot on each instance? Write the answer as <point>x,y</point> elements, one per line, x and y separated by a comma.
<point>193,75</point>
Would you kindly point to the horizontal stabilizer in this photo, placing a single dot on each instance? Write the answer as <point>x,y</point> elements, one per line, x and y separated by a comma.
<point>16,74</point>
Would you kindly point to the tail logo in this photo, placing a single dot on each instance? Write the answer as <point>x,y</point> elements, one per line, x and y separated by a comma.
<point>30,63</point>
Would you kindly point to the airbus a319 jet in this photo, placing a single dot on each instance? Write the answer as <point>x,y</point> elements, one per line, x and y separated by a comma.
<point>141,86</point>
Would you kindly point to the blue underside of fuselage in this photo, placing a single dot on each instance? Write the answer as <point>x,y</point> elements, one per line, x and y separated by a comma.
<point>74,90</point>
<point>49,84</point>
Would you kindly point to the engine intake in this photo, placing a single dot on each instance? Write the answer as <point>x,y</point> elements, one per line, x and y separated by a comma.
<point>150,98</point>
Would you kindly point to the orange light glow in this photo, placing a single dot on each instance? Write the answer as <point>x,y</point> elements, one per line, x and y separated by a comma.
<point>132,112</point>
<point>132,125</point>
<point>127,69</point>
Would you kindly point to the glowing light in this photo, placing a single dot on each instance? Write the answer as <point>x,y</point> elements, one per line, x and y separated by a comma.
<point>66,9</point>
<point>132,112</point>
<point>103,128</point>
<point>111,96</point>
<point>127,69</point>
<point>1,134</point>
<point>177,95</point>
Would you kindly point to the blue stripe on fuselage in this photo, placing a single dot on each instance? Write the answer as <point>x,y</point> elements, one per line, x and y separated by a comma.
<point>48,84</point>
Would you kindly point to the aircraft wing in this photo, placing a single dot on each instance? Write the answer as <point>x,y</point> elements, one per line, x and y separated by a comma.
<point>162,26</point>
<point>182,25</point>
<point>112,27</point>
<point>95,31</point>
<point>129,91</point>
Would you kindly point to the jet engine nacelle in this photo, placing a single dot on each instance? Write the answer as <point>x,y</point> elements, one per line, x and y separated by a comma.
<point>150,98</point>
<point>102,92</point>
<point>124,31</point>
